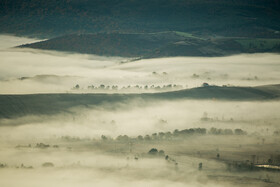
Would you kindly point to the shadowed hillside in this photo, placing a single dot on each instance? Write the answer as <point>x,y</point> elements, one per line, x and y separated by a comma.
<point>243,18</point>
<point>152,45</point>
<point>114,44</point>
<point>36,104</point>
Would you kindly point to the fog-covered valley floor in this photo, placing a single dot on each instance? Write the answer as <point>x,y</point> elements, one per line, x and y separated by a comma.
<point>138,141</point>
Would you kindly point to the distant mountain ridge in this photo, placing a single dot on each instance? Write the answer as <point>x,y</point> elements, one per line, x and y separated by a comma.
<point>152,45</point>
<point>48,104</point>
<point>52,18</point>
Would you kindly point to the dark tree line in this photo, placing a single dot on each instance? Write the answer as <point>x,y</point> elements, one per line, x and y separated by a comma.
<point>177,134</point>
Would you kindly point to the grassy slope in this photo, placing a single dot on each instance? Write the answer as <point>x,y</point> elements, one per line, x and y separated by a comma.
<point>113,44</point>
<point>150,45</point>
<point>36,104</point>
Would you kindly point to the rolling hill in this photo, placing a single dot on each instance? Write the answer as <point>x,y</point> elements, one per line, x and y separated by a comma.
<point>152,45</point>
<point>47,104</point>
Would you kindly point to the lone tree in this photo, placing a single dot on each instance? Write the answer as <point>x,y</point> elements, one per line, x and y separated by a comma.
<point>153,151</point>
<point>77,86</point>
<point>200,166</point>
<point>147,138</point>
<point>140,138</point>
<point>48,164</point>
<point>104,138</point>
<point>161,153</point>
<point>205,84</point>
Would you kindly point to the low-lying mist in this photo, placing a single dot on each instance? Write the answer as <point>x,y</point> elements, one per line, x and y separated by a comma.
<point>39,71</point>
<point>84,169</point>
<point>9,41</point>
<point>66,149</point>
<point>138,117</point>
<point>135,142</point>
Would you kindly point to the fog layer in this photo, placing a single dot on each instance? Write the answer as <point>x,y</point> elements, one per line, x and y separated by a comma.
<point>82,145</point>
<point>36,71</point>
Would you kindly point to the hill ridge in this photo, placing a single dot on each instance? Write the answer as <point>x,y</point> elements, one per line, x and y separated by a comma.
<point>154,45</point>
<point>49,104</point>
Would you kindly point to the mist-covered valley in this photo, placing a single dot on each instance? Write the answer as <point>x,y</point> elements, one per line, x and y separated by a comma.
<point>112,145</point>
<point>69,119</point>
<point>27,71</point>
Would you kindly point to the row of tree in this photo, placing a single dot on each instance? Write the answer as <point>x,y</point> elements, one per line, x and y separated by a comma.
<point>177,134</point>
<point>130,87</point>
